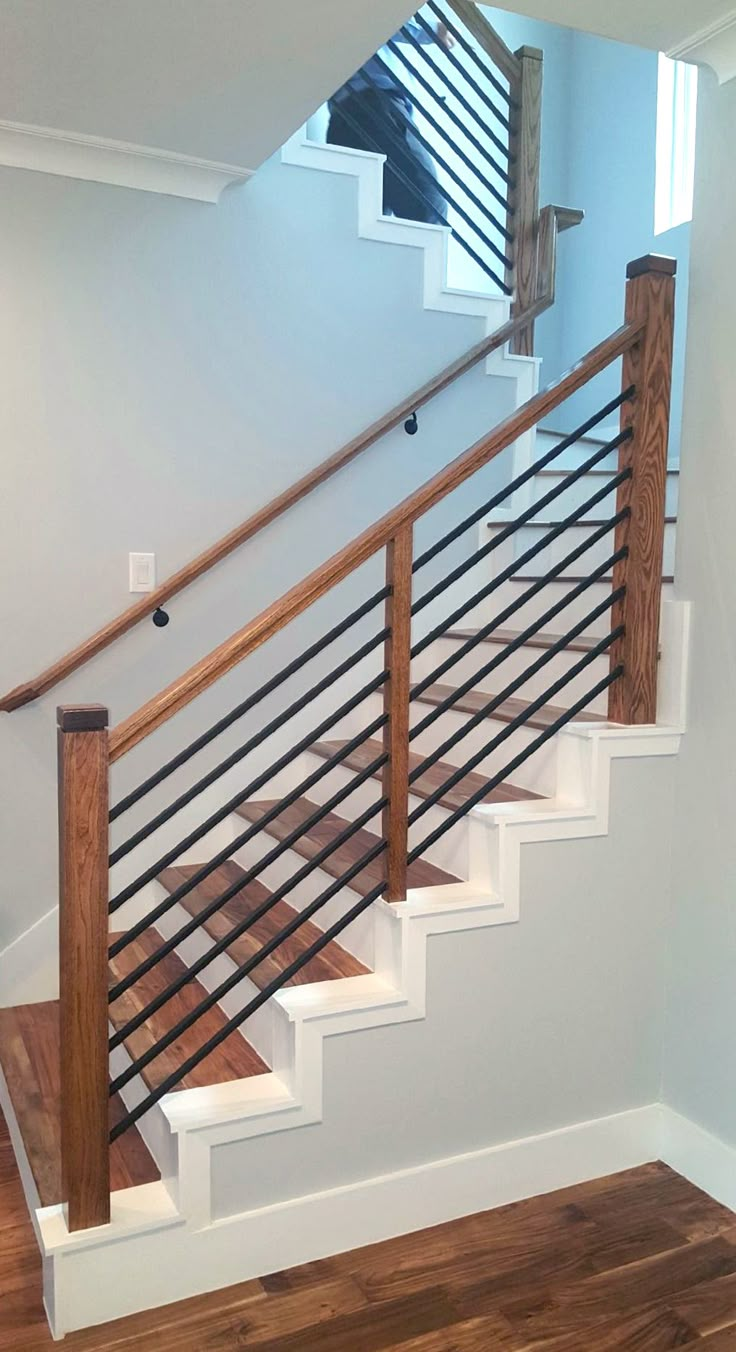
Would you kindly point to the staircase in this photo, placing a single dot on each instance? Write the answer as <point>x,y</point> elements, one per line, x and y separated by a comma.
<point>494,644</point>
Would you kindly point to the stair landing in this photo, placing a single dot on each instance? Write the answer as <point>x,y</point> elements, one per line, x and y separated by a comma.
<point>29,1056</point>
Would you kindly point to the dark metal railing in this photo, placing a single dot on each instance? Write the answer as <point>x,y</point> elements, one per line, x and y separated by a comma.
<point>455,107</point>
<point>372,769</point>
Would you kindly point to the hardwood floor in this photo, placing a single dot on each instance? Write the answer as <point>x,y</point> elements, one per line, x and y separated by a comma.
<point>641,1261</point>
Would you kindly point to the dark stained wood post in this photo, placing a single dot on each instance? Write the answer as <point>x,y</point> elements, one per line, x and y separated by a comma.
<point>397,660</point>
<point>83,978</point>
<point>526,140</point>
<point>650,300</point>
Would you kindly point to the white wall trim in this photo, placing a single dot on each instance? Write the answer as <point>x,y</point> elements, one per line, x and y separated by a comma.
<point>713,46</point>
<point>701,1158</point>
<point>163,1263</point>
<point>29,966</point>
<point>146,168</point>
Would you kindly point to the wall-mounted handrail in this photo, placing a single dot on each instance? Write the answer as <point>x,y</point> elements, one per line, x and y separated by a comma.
<point>552,220</point>
<point>223,658</point>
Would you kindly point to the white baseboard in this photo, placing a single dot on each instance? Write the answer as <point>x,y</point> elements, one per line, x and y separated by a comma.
<point>705,1161</point>
<point>97,1279</point>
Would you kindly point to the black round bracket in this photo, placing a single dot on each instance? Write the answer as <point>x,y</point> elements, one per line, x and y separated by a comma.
<point>411,426</point>
<point>160,618</point>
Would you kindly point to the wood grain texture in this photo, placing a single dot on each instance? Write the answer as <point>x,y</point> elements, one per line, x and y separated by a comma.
<point>233,1059</point>
<point>420,873</point>
<point>506,712</point>
<point>331,964</point>
<point>488,39</point>
<point>83,893</point>
<point>650,301</point>
<point>396,690</point>
<point>222,659</point>
<point>432,779</point>
<point>526,141</point>
<point>609,1266</point>
<point>557,218</point>
<point>29,1056</point>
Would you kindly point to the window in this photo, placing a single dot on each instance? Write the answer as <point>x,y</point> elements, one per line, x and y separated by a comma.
<point>677,94</point>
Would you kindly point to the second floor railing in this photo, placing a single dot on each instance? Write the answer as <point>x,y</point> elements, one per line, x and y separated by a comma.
<point>416,602</point>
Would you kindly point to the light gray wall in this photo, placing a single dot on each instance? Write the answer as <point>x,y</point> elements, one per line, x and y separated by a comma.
<point>700,1047</point>
<point>564,1011</point>
<point>168,367</point>
<point>598,153</point>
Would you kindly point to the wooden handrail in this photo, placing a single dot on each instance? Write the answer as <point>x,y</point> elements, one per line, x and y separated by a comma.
<point>223,658</point>
<point>557,218</point>
<point>487,37</point>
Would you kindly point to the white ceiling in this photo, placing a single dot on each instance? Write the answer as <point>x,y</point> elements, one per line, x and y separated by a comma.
<point>227,80</point>
<point>661,24</point>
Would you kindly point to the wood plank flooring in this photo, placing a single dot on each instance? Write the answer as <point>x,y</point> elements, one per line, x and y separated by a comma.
<point>29,1055</point>
<point>638,1262</point>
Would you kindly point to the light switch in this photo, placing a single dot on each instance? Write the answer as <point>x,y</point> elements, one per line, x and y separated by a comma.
<point>142,572</point>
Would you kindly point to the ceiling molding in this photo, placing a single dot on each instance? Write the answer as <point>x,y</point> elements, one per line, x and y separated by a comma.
<point>96,159</point>
<point>713,46</point>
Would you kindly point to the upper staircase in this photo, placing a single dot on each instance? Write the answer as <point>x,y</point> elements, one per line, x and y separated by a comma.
<point>480,651</point>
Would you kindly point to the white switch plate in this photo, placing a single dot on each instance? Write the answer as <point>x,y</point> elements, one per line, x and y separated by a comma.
<point>142,572</point>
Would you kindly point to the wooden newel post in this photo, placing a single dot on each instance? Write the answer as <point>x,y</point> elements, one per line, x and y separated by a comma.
<point>650,300</point>
<point>83,977</point>
<point>397,658</point>
<point>524,199</point>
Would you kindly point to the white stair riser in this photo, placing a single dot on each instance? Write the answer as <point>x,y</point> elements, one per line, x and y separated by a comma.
<point>571,614</point>
<point>513,665</point>
<point>537,773</point>
<point>527,537</point>
<point>575,494</point>
<point>450,853</point>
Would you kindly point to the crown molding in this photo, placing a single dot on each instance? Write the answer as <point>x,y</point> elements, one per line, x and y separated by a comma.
<point>97,159</point>
<point>714,46</point>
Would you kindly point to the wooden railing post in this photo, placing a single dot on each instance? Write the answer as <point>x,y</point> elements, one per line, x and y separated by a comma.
<point>526,135</point>
<point>650,300</point>
<point>83,977</point>
<point>397,660</point>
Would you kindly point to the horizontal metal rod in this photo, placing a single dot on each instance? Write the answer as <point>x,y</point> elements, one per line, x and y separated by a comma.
<point>414,189</point>
<point>456,573</point>
<point>449,112</point>
<point>536,627</point>
<point>520,562</point>
<point>496,701</point>
<point>234,802</point>
<point>468,107</point>
<point>244,970</point>
<point>414,131</point>
<point>566,717</point>
<point>485,210</point>
<point>256,828</point>
<point>191,971</point>
<point>222,724</point>
<point>479,512</point>
<point>244,750</point>
<point>485,98</point>
<point>472,53</point>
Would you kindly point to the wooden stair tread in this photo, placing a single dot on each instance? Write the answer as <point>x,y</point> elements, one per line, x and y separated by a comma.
<point>511,708</point>
<point>331,964</point>
<point>582,644</point>
<point>233,1059</point>
<point>671,469</point>
<point>420,873</point>
<point>29,1056</point>
<point>585,521</point>
<point>431,779</point>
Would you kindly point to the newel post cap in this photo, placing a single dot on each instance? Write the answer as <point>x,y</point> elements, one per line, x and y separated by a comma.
<point>82,717</point>
<point>651,263</point>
